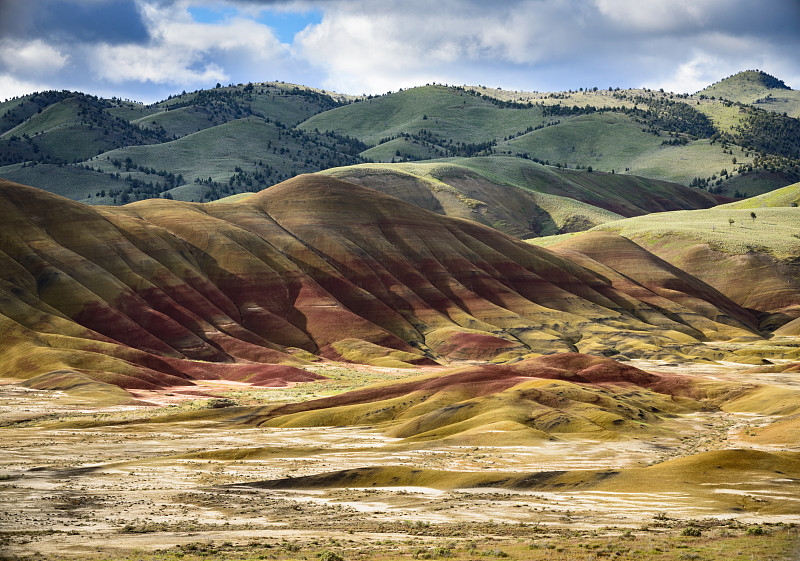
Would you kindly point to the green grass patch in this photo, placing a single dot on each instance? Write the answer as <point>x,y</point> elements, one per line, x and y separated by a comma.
<point>444,112</point>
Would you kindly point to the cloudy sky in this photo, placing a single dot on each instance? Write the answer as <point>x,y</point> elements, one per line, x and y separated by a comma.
<point>148,49</point>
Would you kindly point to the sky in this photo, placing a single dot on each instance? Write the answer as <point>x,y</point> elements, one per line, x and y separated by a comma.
<point>146,50</point>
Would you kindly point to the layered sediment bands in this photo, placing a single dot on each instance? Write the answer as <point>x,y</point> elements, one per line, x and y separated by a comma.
<point>553,397</point>
<point>648,278</point>
<point>313,265</point>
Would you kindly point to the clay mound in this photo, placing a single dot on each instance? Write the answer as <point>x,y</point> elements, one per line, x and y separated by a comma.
<point>791,328</point>
<point>545,398</point>
<point>271,375</point>
<point>313,266</point>
<point>720,477</point>
<point>642,275</point>
<point>595,370</point>
<point>749,256</point>
<point>404,476</point>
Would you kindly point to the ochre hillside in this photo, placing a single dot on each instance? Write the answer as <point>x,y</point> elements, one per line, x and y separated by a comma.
<point>137,295</point>
<point>747,250</point>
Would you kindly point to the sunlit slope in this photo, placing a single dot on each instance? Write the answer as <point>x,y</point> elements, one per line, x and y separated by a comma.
<point>614,141</point>
<point>314,266</point>
<point>732,481</point>
<point>191,112</point>
<point>446,114</point>
<point>458,191</point>
<point>750,259</point>
<point>788,196</point>
<point>250,148</point>
<point>555,397</point>
<point>757,88</point>
<point>521,197</point>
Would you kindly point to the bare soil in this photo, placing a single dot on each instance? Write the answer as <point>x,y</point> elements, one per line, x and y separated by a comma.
<point>118,489</point>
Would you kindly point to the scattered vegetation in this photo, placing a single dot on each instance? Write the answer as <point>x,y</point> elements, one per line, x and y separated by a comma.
<point>720,136</point>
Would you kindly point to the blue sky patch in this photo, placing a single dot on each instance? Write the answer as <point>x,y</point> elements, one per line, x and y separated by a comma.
<point>284,24</point>
<point>287,24</point>
<point>211,15</point>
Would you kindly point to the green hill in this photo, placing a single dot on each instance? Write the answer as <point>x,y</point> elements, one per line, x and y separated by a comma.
<point>443,116</point>
<point>65,128</point>
<point>247,154</point>
<point>726,147</point>
<point>287,104</point>
<point>758,88</point>
<point>788,196</point>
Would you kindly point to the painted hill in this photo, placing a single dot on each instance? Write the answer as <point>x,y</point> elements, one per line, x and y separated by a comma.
<point>553,397</point>
<point>315,266</point>
<point>752,260</point>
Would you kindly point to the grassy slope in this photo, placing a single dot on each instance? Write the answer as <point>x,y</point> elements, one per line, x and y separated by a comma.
<point>753,87</point>
<point>217,151</point>
<point>277,102</point>
<point>771,232</point>
<point>452,114</point>
<point>67,180</point>
<point>624,194</point>
<point>178,122</point>
<point>74,129</point>
<point>785,197</point>
<point>753,262</point>
<point>607,141</point>
<point>614,142</point>
<point>408,148</point>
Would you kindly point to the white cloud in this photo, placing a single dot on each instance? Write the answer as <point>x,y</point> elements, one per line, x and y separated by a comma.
<point>154,63</point>
<point>11,86</point>
<point>187,53</point>
<point>692,76</point>
<point>658,15</point>
<point>31,58</point>
<point>375,47</point>
<point>718,55</point>
<point>372,47</point>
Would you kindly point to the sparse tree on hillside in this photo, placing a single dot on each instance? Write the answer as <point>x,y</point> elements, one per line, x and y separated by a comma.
<point>753,216</point>
<point>731,221</point>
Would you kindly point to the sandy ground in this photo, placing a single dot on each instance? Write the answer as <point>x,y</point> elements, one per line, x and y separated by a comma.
<point>119,487</point>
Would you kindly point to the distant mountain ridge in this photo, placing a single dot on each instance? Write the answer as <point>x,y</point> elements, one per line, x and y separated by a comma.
<point>112,151</point>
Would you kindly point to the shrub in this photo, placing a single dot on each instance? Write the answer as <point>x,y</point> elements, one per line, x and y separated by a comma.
<point>691,531</point>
